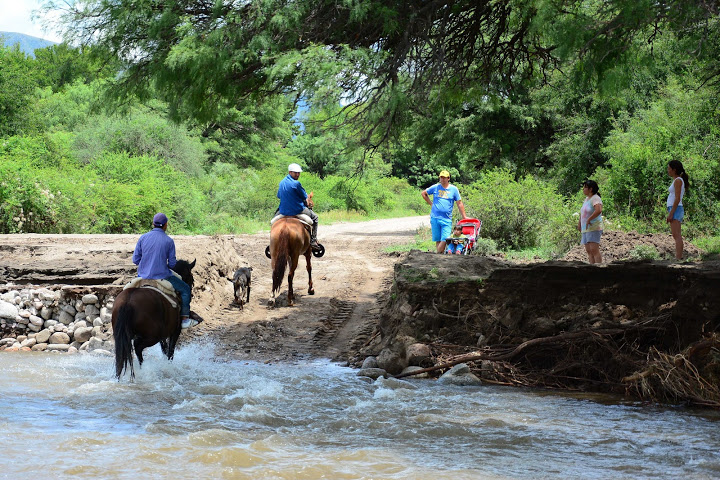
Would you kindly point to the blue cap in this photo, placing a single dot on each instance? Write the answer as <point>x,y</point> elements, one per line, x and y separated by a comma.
<point>159,220</point>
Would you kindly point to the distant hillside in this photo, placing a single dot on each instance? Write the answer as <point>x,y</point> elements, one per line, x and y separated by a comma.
<point>27,43</point>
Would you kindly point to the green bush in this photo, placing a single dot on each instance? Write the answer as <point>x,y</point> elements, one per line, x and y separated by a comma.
<point>485,246</point>
<point>517,214</point>
<point>644,252</point>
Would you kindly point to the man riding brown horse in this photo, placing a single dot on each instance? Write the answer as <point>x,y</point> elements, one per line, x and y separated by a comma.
<point>295,201</point>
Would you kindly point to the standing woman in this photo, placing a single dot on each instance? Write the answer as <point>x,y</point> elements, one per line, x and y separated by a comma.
<point>675,209</point>
<point>591,221</point>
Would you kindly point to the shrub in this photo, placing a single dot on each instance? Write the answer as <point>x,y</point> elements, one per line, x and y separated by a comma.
<point>644,252</point>
<point>485,246</point>
<point>516,214</point>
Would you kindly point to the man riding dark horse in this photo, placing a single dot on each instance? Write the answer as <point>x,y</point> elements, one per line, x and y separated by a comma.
<point>155,257</point>
<point>294,201</point>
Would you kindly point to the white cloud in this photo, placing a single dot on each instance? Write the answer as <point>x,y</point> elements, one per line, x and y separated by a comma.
<point>16,17</point>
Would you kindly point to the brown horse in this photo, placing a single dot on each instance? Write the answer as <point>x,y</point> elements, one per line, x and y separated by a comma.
<point>288,240</point>
<point>142,317</point>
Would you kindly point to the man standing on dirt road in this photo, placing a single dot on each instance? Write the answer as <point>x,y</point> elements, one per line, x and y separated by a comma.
<point>444,198</point>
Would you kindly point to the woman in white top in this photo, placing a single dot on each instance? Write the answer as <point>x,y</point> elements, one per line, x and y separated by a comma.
<point>590,223</point>
<point>675,208</point>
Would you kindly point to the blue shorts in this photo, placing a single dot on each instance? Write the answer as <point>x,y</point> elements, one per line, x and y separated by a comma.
<point>679,213</point>
<point>591,237</point>
<point>441,228</point>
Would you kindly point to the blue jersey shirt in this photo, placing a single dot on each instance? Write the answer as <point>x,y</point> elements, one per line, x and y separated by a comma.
<point>443,200</point>
<point>154,255</point>
<point>292,196</point>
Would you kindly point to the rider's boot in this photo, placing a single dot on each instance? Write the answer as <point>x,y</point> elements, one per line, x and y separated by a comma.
<point>313,236</point>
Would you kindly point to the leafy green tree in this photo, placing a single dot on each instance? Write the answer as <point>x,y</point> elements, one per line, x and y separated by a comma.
<point>61,65</point>
<point>682,124</point>
<point>18,80</point>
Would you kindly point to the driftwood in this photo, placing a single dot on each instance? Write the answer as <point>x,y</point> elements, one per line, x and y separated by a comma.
<point>609,359</point>
<point>497,356</point>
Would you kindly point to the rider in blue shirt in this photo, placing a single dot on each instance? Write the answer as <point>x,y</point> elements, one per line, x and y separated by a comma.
<point>155,256</point>
<point>294,199</point>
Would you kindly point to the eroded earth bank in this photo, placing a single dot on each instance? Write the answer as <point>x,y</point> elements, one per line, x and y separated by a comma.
<point>646,329</point>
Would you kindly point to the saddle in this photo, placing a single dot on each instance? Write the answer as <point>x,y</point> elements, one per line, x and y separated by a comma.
<point>301,216</point>
<point>163,287</point>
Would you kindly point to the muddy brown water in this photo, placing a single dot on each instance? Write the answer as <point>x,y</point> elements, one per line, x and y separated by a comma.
<point>65,416</point>
<point>208,414</point>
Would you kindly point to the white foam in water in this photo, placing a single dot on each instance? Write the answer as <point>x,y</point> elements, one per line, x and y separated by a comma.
<point>324,414</point>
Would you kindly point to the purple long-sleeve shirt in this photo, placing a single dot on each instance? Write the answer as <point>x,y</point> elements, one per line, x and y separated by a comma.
<point>154,255</point>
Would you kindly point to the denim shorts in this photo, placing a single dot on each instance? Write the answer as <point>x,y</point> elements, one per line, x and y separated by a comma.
<point>441,228</point>
<point>591,237</point>
<point>679,213</point>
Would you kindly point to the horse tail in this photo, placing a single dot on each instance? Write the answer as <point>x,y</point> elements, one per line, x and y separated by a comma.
<point>281,261</point>
<point>123,341</point>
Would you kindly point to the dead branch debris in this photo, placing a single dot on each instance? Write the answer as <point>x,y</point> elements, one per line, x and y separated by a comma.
<point>612,359</point>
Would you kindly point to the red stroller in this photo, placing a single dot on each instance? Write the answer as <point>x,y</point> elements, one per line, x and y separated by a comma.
<point>471,232</point>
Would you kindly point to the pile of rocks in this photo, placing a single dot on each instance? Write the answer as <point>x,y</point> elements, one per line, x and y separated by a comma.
<point>42,319</point>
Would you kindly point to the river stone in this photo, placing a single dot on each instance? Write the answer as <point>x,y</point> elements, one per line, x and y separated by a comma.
<point>29,342</point>
<point>50,323</point>
<point>59,338</point>
<point>94,343</point>
<point>36,320</point>
<point>92,310</point>
<point>106,314</point>
<point>34,328</point>
<point>98,323</point>
<point>69,309</point>
<point>66,318</point>
<point>460,375</point>
<point>80,324</point>
<point>395,384</point>
<point>80,316</point>
<point>23,320</point>
<point>83,334</point>
<point>79,305</point>
<point>37,305</point>
<point>46,313</point>
<point>419,354</point>
<point>72,349</point>
<point>57,347</point>
<point>8,311</point>
<point>373,373</point>
<point>39,347</point>
<point>103,352</point>
<point>43,336</point>
<point>89,298</point>
<point>391,361</point>
<point>370,362</point>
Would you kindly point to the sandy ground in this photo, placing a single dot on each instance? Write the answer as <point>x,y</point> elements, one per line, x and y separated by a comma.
<point>349,279</point>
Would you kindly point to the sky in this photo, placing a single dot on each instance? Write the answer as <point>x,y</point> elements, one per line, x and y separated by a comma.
<point>15,16</point>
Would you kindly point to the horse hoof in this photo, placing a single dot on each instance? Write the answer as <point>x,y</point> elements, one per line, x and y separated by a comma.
<point>271,302</point>
<point>311,292</point>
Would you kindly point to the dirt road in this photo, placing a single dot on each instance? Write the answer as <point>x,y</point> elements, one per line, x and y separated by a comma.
<point>348,281</point>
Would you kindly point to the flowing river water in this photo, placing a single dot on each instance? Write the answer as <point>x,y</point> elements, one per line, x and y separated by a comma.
<point>200,417</point>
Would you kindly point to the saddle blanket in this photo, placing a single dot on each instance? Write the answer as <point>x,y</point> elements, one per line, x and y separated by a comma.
<point>302,217</point>
<point>161,286</point>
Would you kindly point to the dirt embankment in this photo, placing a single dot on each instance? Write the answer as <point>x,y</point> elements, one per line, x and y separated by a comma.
<point>645,328</point>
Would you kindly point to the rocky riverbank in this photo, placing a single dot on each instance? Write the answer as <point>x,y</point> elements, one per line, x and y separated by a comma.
<point>66,319</point>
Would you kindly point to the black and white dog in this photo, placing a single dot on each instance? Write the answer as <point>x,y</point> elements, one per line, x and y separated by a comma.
<point>241,283</point>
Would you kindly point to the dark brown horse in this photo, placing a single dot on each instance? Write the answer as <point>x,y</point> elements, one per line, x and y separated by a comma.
<point>142,317</point>
<point>288,240</point>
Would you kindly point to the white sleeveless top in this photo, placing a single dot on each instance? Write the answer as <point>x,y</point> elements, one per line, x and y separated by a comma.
<point>671,190</point>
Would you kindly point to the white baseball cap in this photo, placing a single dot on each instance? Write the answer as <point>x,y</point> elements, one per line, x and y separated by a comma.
<point>294,167</point>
